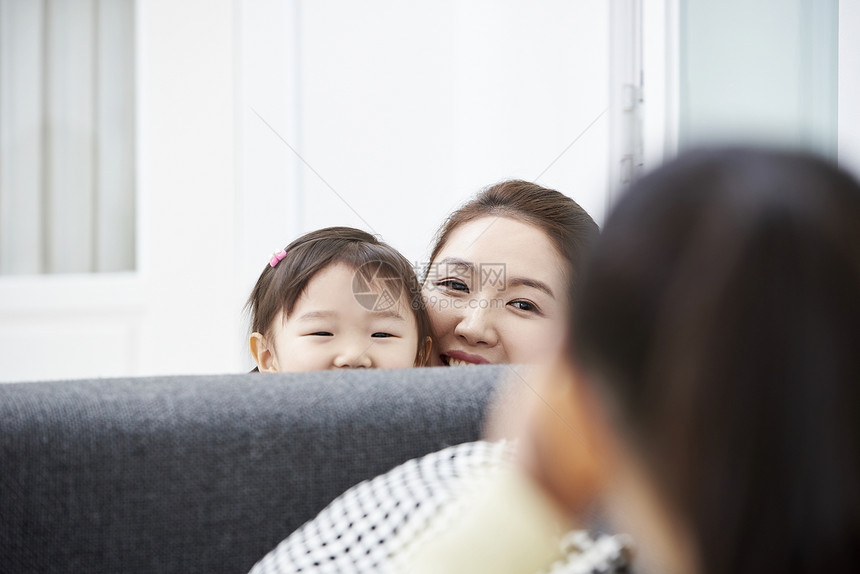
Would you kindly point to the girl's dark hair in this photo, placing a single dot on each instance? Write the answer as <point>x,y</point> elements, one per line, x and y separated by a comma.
<point>279,288</point>
<point>569,227</point>
<point>720,317</point>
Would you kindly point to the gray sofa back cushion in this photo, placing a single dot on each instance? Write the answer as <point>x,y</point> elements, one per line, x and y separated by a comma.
<point>207,473</point>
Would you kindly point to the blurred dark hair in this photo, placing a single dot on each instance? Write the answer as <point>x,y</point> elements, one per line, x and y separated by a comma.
<point>569,227</point>
<point>720,317</point>
<point>279,288</point>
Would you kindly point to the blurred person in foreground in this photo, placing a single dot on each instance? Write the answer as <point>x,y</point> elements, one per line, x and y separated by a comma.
<point>709,400</point>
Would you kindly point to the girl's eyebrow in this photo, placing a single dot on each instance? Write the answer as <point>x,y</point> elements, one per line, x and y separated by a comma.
<point>525,281</point>
<point>389,314</point>
<point>317,315</point>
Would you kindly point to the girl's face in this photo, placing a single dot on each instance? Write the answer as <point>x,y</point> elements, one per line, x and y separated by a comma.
<point>330,329</point>
<point>496,293</point>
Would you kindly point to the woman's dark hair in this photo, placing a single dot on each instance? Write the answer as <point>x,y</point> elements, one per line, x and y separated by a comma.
<point>720,318</point>
<point>569,227</point>
<point>279,288</point>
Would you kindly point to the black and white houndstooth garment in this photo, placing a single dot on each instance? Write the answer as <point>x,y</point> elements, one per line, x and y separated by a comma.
<point>389,515</point>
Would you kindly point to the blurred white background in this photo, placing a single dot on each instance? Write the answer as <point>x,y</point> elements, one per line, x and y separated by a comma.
<point>255,121</point>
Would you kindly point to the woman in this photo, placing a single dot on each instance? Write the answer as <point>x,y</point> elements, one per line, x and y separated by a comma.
<point>500,273</point>
<point>497,290</point>
<point>714,374</point>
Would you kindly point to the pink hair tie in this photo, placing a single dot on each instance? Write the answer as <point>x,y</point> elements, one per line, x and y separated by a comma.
<point>276,257</point>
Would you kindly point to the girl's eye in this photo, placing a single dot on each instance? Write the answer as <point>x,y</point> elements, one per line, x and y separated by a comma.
<point>322,334</point>
<point>524,305</point>
<point>453,285</point>
<point>382,335</point>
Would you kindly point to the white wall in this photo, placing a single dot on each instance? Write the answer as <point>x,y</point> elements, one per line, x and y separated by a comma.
<point>186,167</point>
<point>387,115</point>
<point>401,111</point>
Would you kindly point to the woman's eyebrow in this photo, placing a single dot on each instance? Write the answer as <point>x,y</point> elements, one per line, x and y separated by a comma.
<point>534,283</point>
<point>454,262</point>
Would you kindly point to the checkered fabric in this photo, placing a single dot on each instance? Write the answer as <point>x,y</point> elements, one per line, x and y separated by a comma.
<point>389,515</point>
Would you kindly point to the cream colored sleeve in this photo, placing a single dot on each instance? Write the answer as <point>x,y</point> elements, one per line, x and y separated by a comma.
<point>509,527</point>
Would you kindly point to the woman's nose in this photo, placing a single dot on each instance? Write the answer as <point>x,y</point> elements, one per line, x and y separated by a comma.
<point>476,327</point>
<point>353,356</point>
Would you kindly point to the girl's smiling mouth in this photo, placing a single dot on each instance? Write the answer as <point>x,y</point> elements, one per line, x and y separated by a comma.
<point>461,358</point>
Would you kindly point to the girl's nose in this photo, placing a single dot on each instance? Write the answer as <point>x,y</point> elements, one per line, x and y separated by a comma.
<point>353,356</point>
<point>476,327</point>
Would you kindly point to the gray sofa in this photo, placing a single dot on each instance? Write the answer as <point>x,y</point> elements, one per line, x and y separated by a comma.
<point>207,473</point>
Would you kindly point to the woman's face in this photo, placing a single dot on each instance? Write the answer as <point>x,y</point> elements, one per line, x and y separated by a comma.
<point>496,293</point>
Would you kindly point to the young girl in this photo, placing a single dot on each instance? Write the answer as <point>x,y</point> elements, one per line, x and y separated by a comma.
<point>338,298</point>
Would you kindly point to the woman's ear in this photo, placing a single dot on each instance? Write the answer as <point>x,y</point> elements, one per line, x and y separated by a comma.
<point>423,356</point>
<point>263,354</point>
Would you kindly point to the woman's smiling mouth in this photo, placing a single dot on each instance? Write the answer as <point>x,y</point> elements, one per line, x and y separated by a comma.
<point>461,358</point>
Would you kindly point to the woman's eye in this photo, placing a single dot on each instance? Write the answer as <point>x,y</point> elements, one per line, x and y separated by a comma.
<point>524,305</point>
<point>381,335</point>
<point>453,285</point>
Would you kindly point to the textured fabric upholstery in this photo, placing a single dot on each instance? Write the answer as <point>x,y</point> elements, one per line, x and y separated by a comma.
<point>207,473</point>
